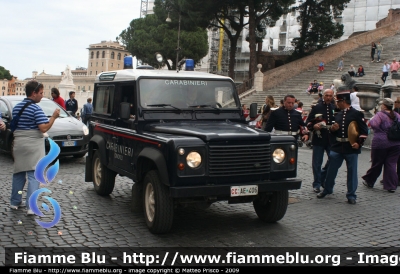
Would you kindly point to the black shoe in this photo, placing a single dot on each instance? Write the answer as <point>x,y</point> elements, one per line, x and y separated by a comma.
<point>317,190</point>
<point>351,201</point>
<point>391,190</point>
<point>367,185</point>
<point>321,195</point>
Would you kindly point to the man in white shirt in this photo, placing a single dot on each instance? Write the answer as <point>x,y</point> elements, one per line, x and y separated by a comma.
<point>385,71</point>
<point>355,101</point>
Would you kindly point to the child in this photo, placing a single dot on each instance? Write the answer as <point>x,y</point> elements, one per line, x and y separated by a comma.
<point>340,66</point>
<point>78,117</point>
<point>321,66</point>
<point>320,87</point>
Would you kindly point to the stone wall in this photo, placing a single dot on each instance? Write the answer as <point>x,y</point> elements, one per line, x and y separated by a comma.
<point>394,15</point>
<point>273,78</point>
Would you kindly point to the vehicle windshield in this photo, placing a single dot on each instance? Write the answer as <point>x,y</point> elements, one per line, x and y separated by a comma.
<point>187,93</point>
<point>48,107</point>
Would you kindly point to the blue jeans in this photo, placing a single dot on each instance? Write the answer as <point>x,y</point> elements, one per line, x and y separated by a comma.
<point>379,55</point>
<point>336,160</point>
<point>18,183</point>
<point>317,158</point>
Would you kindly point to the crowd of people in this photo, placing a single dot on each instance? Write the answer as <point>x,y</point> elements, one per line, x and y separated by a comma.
<point>336,127</point>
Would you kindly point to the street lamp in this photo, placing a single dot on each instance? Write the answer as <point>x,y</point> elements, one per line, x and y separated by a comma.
<point>179,33</point>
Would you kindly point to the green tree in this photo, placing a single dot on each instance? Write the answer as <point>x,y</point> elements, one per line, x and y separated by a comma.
<point>262,10</point>
<point>5,74</point>
<point>318,26</point>
<point>226,14</point>
<point>146,36</point>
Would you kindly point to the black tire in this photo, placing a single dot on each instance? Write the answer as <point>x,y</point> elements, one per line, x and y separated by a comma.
<point>79,155</point>
<point>103,178</point>
<point>158,205</point>
<point>137,197</point>
<point>271,208</point>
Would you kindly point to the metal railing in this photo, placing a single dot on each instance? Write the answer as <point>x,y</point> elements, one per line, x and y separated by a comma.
<point>247,84</point>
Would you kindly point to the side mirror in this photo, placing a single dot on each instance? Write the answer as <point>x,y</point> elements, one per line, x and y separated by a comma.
<point>125,110</point>
<point>253,110</point>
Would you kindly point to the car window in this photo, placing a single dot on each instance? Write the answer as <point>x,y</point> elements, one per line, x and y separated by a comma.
<point>184,93</point>
<point>48,107</point>
<point>104,100</point>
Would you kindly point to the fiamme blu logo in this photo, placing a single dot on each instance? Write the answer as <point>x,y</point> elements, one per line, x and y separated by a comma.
<point>45,173</point>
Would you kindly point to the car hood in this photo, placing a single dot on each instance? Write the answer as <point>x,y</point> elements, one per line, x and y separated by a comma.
<point>65,126</point>
<point>210,131</point>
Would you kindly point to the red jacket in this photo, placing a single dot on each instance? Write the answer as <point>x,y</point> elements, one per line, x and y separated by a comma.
<point>60,101</point>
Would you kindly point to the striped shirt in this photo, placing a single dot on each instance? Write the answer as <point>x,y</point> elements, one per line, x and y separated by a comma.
<point>31,117</point>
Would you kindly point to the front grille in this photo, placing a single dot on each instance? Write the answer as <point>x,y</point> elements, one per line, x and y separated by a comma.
<point>64,137</point>
<point>234,160</point>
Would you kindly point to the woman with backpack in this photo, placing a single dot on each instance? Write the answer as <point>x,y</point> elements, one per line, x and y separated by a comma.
<point>384,151</point>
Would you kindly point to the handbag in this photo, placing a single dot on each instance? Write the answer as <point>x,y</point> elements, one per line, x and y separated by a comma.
<point>15,119</point>
<point>394,131</point>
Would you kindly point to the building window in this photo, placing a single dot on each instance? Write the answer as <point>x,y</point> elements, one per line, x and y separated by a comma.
<point>96,72</point>
<point>103,54</point>
<point>112,65</point>
<point>118,65</point>
<point>102,64</point>
<point>90,72</point>
<point>97,64</point>
<point>88,87</point>
<point>91,55</point>
<point>112,55</point>
<point>119,56</point>
<point>91,64</point>
<point>97,54</point>
<point>79,87</point>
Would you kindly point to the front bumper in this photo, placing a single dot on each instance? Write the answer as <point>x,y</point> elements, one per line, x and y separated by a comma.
<point>81,146</point>
<point>225,190</point>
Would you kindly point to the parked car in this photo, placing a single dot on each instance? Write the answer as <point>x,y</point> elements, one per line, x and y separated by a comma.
<point>71,135</point>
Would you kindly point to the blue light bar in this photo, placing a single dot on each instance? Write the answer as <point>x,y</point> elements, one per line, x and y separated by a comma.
<point>189,64</point>
<point>128,62</point>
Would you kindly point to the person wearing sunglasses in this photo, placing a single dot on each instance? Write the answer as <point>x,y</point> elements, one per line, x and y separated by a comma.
<point>29,143</point>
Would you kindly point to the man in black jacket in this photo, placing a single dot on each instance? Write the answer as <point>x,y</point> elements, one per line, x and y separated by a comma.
<point>286,120</point>
<point>342,149</point>
<point>71,104</point>
<point>321,141</point>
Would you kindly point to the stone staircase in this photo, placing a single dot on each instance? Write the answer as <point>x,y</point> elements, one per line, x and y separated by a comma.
<point>361,56</point>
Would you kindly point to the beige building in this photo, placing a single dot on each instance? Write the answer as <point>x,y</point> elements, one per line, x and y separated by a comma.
<point>104,56</point>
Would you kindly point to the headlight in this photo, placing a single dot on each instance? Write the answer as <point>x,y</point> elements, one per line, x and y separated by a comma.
<point>85,130</point>
<point>278,155</point>
<point>193,159</point>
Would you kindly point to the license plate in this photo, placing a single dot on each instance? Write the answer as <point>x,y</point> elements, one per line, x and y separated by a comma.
<point>69,144</point>
<point>244,190</point>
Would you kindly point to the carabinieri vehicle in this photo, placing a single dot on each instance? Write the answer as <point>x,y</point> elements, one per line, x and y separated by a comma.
<point>182,138</point>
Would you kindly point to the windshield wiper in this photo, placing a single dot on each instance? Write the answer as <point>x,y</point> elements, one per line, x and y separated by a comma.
<point>163,105</point>
<point>204,106</point>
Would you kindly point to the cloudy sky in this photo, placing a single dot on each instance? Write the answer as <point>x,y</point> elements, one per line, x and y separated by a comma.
<point>51,34</point>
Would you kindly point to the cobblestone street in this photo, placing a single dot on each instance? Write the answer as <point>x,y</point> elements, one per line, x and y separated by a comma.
<point>89,220</point>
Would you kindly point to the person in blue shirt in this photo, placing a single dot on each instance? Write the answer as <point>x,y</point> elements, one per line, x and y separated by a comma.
<point>87,111</point>
<point>29,145</point>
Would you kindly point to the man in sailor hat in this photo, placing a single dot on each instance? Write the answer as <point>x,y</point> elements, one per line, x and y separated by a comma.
<point>348,135</point>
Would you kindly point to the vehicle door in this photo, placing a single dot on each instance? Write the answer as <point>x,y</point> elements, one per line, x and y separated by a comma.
<point>125,130</point>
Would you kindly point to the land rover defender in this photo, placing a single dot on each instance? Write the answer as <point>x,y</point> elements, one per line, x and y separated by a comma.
<point>183,139</point>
